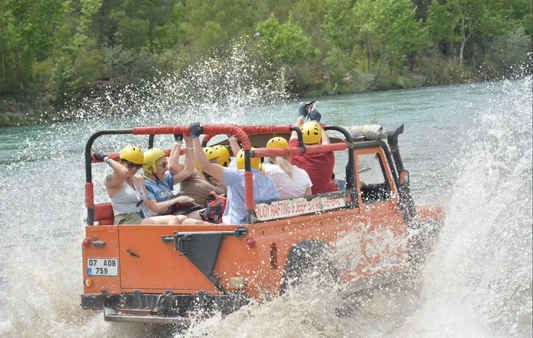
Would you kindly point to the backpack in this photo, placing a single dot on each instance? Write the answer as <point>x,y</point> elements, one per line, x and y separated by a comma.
<point>183,208</point>
<point>216,204</point>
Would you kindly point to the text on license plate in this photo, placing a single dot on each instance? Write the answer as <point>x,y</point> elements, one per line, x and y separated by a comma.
<point>102,266</point>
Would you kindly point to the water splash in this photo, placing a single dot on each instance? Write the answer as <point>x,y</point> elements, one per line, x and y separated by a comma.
<point>479,275</point>
<point>219,89</point>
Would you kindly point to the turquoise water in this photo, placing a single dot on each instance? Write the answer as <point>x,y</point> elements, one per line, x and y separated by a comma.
<point>468,147</point>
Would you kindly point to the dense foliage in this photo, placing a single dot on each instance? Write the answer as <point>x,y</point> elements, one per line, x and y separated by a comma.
<point>53,51</point>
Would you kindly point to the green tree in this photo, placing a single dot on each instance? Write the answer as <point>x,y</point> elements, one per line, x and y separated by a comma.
<point>456,21</point>
<point>27,35</point>
<point>235,18</point>
<point>340,27</point>
<point>336,59</point>
<point>284,43</point>
<point>510,49</point>
<point>73,45</point>
<point>392,23</point>
<point>213,36</point>
<point>522,13</point>
<point>150,24</point>
<point>443,17</point>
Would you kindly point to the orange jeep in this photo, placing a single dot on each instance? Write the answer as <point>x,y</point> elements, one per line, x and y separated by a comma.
<point>361,236</point>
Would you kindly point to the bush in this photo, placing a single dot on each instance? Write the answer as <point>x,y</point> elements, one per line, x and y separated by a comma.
<point>364,81</point>
<point>127,65</point>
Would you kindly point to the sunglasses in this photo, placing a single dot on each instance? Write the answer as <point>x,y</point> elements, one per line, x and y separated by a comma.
<point>164,164</point>
<point>132,165</point>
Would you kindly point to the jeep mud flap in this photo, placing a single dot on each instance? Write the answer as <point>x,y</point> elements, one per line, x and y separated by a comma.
<point>201,248</point>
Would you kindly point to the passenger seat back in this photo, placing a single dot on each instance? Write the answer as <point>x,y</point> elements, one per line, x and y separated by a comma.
<point>103,214</point>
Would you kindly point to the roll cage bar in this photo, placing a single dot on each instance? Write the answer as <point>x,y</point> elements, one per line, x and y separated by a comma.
<point>242,132</point>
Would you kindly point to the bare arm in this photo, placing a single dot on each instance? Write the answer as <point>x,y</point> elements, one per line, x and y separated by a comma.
<point>174,165</point>
<point>235,148</point>
<point>161,207</point>
<point>325,137</point>
<point>153,206</point>
<point>308,191</point>
<point>114,181</point>
<point>299,122</point>
<point>215,170</point>
<point>188,169</point>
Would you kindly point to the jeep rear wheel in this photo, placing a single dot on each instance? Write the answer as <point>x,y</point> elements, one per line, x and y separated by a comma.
<point>309,263</point>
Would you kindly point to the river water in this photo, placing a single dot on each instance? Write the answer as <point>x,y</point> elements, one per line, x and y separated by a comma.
<point>468,147</point>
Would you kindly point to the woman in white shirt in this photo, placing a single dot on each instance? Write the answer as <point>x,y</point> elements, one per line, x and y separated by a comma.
<point>290,180</point>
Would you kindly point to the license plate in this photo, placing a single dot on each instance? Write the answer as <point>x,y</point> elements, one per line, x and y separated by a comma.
<point>102,266</point>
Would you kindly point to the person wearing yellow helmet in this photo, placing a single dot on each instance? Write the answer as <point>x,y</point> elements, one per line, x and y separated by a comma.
<point>255,163</point>
<point>199,185</point>
<point>223,155</point>
<point>212,156</point>
<point>290,180</point>
<point>161,175</point>
<point>263,186</point>
<point>277,142</point>
<point>128,192</point>
<point>319,166</point>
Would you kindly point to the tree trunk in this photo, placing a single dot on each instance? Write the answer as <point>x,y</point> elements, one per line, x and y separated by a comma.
<point>2,53</point>
<point>369,52</point>
<point>380,57</point>
<point>411,57</point>
<point>465,39</point>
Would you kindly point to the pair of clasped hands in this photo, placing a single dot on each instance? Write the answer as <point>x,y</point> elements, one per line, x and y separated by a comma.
<point>308,110</point>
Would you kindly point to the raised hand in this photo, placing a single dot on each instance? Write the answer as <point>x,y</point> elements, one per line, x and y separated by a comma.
<point>195,129</point>
<point>99,155</point>
<point>303,110</point>
<point>315,116</point>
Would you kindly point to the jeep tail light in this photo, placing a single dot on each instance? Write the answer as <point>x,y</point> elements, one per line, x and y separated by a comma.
<point>86,243</point>
<point>250,242</point>
<point>88,282</point>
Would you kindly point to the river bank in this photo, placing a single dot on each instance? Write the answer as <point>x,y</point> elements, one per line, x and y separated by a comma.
<point>14,113</point>
<point>20,113</point>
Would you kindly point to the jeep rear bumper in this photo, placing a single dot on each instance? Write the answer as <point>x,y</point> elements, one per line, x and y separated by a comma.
<point>165,308</point>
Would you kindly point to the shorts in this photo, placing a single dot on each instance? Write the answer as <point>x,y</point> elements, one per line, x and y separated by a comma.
<point>128,218</point>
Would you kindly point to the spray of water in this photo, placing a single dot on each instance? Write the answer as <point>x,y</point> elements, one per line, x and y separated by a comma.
<point>478,278</point>
<point>219,89</point>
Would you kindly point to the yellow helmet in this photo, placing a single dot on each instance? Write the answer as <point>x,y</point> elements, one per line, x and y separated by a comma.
<point>311,133</point>
<point>277,142</point>
<point>211,153</point>
<point>254,162</point>
<point>133,154</point>
<point>223,155</point>
<point>150,156</point>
